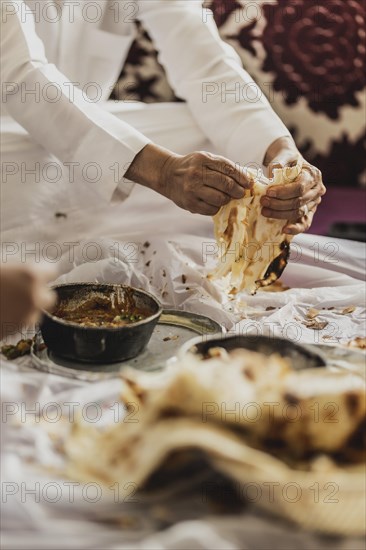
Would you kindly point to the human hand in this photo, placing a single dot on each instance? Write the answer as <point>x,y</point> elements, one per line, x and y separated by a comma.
<point>23,293</point>
<point>202,182</point>
<point>295,201</point>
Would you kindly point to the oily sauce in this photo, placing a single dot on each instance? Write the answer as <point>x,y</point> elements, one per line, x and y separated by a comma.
<point>100,310</point>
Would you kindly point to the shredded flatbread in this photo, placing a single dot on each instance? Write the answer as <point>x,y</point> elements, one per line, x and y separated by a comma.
<point>252,248</point>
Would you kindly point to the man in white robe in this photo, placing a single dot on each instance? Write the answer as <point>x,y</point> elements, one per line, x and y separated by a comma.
<point>67,152</point>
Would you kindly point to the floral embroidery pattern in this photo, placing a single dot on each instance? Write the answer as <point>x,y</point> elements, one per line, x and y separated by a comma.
<point>316,50</point>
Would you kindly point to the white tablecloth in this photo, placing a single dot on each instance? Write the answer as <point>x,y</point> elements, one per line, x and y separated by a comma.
<point>323,273</point>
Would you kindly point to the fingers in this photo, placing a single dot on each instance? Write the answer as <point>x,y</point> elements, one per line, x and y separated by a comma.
<point>310,178</point>
<point>205,209</point>
<point>224,184</point>
<point>288,201</point>
<point>290,204</point>
<point>213,197</point>
<point>281,212</point>
<point>209,201</point>
<point>35,294</point>
<point>303,223</point>
<point>300,226</point>
<point>292,190</point>
<point>44,272</point>
<point>197,205</point>
<point>44,298</point>
<point>225,167</point>
<point>24,294</point>
<point>39,295</point>
<point>35,299</point>
<point>200,179</point>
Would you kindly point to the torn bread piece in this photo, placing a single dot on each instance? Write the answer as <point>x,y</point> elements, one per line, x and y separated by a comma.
<point>248,417</point>
<point>259,402</point>
<point>252,248</point>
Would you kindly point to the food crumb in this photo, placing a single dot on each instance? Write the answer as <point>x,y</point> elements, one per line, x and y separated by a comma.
<point>358,342</point>
<point>22,347</point>
<point>330,337</point>
<point>184,279</point>
<point>146,244</point>
<point>315,324</point>
<point>167,338</point>
<point>312,313</point>
<point>148,263</point>
<point>349,309</point>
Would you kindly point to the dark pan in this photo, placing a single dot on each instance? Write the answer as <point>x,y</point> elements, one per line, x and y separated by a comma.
<point>99,344</point>
<point>301,356</point>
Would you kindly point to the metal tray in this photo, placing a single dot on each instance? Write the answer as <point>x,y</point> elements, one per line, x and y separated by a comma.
<point>172,331</point>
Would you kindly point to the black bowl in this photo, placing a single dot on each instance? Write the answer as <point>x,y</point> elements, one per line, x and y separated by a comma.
<point>300,356</point>
<point>99,344</point>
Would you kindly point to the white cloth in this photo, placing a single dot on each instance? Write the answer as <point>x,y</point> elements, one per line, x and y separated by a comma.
<point>59,61</point>
<point>32,520</point>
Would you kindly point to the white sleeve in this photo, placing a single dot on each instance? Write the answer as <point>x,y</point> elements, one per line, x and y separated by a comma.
<point>71,128</point>
<point>206,72</point>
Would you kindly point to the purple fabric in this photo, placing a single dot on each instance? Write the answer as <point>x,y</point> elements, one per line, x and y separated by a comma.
<point>339,205</point>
